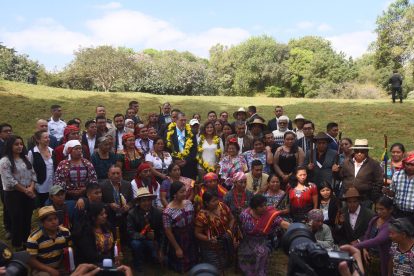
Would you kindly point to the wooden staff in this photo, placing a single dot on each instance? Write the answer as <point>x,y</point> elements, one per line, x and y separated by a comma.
<point>311,151</point>
<point>385,159</point>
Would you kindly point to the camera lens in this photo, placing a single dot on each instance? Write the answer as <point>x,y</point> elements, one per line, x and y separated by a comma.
<point>296,234</point>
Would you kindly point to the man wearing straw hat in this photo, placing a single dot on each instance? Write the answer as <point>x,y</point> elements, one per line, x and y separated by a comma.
<point>353,219</point>
<point>144,226</point>
<point>362,172</point>
<point>47,243</point>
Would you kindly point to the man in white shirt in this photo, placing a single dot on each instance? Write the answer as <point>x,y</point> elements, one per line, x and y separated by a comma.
<point>89,137</point>
<point>282,128</point>
<point>118,131</point>
<point>55,125</point>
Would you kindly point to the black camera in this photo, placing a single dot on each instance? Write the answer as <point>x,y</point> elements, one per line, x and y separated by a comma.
<point>306,257</point>
<point>107,269</point>
<point>15,263</point>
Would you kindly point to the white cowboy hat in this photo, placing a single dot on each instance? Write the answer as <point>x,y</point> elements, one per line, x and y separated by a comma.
<point>144,192</point>
<point>299,117</point>
<point>361,144</point>
<point>241,109</point>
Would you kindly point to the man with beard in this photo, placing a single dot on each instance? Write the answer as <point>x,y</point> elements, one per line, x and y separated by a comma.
<point>280,131</point>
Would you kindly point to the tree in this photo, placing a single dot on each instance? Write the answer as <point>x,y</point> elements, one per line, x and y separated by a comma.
<point>394,35</point>
<point>103,65</point>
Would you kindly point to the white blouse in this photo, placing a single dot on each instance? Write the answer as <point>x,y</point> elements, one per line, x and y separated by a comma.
<point>158,163</point>
<point>209,152</point>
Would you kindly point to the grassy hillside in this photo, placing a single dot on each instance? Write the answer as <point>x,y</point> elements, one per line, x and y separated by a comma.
<point>22,104</point>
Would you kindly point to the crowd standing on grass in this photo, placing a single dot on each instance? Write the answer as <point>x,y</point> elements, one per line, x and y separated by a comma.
<point>173,190</point>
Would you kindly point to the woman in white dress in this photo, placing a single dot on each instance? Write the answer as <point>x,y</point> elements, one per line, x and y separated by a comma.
<point>210,149</point>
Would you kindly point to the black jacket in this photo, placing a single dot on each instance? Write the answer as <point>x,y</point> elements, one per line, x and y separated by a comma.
<point>344,234</point>
<point>137,219</point>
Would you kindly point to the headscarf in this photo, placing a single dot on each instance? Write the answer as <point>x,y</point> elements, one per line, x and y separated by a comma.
<point>408,159</point>
<point>239,176</point>
<point>315,215</point>
<point>69,129</point>
<point>142,167</point>
<point>126,136</point>
<point>69,146</point>
<point>210,176</point>
<point>153,185</point>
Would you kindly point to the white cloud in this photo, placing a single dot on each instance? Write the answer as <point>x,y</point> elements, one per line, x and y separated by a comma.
<point>353,44</point>
<point>118,28</point>
<point>303,25</point>
<point>324,27</point>
<point>109,6</point>
<point>46,36</point>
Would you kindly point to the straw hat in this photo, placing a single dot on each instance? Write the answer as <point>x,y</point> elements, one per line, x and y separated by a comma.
<point>240,110</point>
<point>299,117</point>
<point>46,211</point>
<point>361,144</point>
<point>258,121</point>
<point>144,192</point>
<point>351,192</point>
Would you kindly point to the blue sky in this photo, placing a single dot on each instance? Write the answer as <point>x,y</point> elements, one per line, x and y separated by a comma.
<point>49,31</point>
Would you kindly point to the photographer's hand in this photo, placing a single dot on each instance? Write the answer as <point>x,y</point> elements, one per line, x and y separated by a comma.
<point>125,269</point>
<point>86,270</point>
<point>356,254</point>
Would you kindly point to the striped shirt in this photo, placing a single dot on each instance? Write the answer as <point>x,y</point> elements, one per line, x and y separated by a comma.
<point>46,249</point>
<point>403,187</point>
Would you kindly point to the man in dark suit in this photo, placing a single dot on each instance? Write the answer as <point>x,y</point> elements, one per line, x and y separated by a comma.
<point>42,125</point>
<point>321,163</point>
<point>306,141</point>
<point>245,141</point>
<point>332,130</point>
<point>117,195</point>
<point>89,138</point>
<point>177,144</point>
<point>353,219</point>
<point>273,123</point>
<point>252,113</point>
<point>396,85</point>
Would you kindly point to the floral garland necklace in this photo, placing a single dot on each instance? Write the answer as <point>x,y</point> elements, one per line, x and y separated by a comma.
<point>239,204</point>
<point>188,144</point>
<point>204,165</point>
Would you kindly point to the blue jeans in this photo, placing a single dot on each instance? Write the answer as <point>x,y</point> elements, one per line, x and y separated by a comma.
<point>139,248</point>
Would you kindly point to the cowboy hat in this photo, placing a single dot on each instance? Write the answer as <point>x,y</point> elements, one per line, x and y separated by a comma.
<point>258,121</point>
<point>322,136</point>
<point>144,192</point>
<point>240,110</point>
<point>46,211</point>
<point>299,117</point>
<point>351,192</point>
<point>361,144</point>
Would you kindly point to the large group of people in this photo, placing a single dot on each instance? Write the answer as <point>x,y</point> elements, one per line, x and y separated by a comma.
<point>174,190</point>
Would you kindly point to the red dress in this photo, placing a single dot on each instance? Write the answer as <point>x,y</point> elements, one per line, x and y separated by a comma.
<point>301,202</point>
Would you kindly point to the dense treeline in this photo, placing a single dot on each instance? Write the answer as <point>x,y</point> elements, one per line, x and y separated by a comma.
<point>304,67</point>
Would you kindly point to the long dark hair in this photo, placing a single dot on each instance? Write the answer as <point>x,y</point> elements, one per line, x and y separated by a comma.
<point>293,181</point>
<point>8,152</point>
<point>95,209</point>
<point>325,184</point>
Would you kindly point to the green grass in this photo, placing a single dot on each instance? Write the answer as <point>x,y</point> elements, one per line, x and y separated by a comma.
<point>22,104</point>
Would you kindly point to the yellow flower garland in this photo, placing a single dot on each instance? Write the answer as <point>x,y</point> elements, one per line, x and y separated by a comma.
<point>188,144</point>
<point>204,165</point>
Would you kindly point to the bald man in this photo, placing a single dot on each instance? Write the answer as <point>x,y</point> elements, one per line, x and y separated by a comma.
<point>42,125</point>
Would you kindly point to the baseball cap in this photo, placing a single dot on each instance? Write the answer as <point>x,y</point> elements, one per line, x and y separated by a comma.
<point>55,189</point>
<point>194,121</point>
